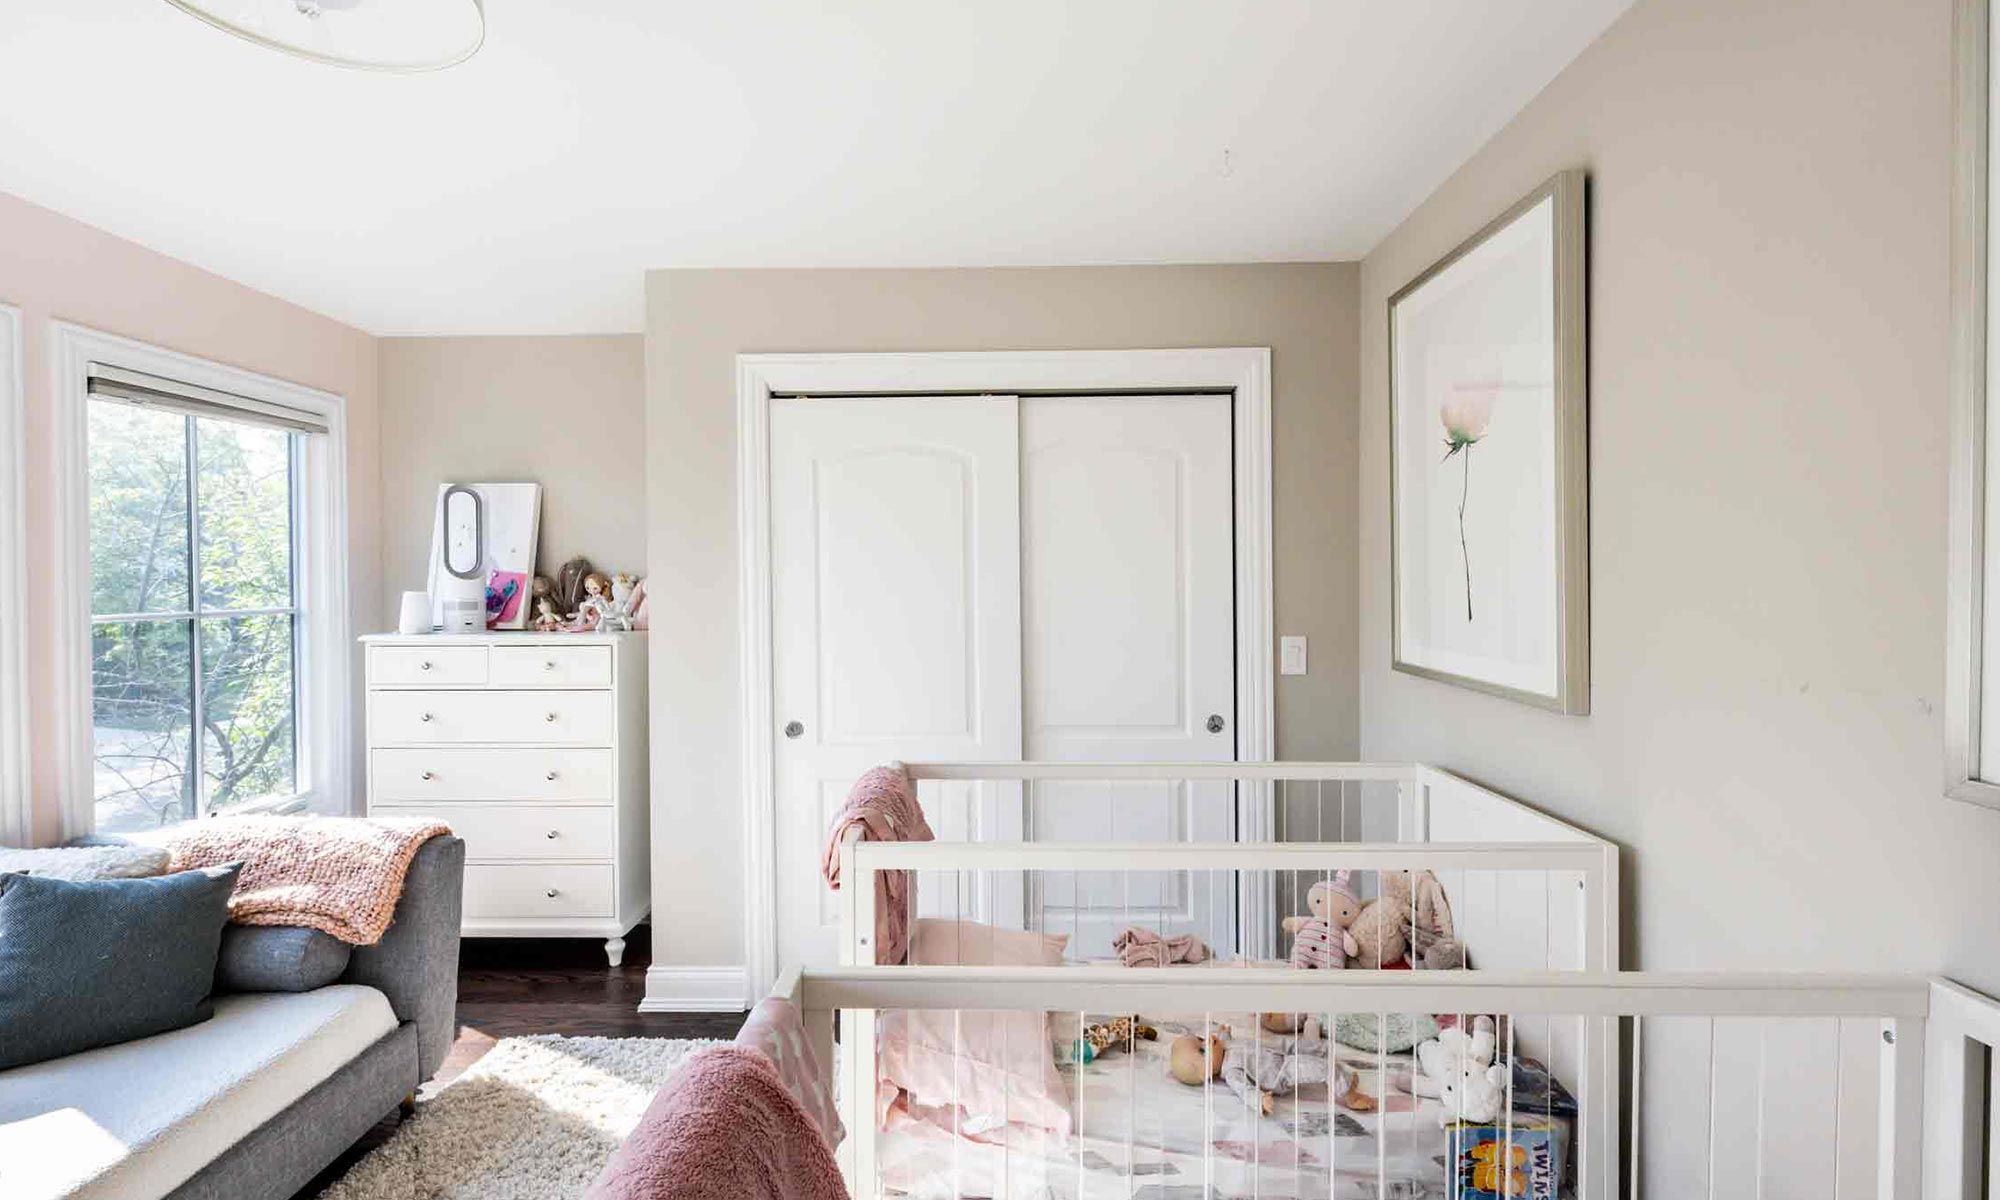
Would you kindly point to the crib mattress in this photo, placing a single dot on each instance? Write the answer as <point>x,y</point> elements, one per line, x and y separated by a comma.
<point>1142,1134</point>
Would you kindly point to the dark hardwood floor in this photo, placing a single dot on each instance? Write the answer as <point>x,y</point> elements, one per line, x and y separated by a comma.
<point>512,987</point>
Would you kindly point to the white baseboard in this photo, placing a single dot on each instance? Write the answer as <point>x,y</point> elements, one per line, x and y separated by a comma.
<point>696,989</point>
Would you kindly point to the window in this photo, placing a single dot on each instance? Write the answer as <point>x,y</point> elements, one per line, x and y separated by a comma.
<point>197,616</point>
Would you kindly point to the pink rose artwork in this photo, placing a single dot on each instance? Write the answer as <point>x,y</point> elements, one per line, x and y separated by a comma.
<point>1465,416</point>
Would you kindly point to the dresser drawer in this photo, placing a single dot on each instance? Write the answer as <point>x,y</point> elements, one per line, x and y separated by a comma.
<point>433,774</point>
<point>545,666</point>
<point>503,890</point>
<point>528,831</point>
<point>426,666</point>
<point>554,718</point>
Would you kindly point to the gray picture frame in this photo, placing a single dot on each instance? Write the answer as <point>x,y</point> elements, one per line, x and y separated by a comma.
<point>1569,372</point>
<point>1965,606</point>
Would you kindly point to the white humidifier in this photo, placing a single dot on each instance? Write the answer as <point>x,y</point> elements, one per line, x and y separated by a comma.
<point>462,590</point>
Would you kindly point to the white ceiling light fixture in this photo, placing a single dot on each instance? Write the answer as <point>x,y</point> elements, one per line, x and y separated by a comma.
<point>373,35</point>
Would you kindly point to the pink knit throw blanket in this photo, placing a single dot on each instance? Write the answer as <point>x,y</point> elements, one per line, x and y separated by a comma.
<point>884,804</point>
<point>723,1128</point>
<point>334,874</point>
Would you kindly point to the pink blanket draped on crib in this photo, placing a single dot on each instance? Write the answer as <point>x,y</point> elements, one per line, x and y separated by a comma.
<point>883,803</point>
<point>723,1128</point>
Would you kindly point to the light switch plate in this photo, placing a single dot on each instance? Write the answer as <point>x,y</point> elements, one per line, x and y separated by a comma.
<point>1292,655</point>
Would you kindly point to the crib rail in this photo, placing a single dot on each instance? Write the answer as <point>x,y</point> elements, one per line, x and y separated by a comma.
<point>1737,1084</point>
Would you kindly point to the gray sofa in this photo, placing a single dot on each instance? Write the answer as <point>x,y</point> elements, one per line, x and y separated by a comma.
<point>339,1062</point>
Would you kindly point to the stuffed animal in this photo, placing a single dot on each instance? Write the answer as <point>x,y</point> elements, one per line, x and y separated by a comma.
<point>1474,1097</point>
<point>1323,941</point>
<point>1410,919</point>
<point>1381,931</point>
<point>1110,1035</point>
<point>1434,945</point>
<point>1458,1068</point>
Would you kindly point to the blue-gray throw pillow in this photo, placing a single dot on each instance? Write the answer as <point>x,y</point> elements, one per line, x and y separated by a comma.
<point>279,958</point>
<point>91,964</point>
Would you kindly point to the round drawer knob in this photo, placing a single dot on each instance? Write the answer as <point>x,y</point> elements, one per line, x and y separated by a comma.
<point>424,665</point>
<point>549,665</point>
<point>551,717</point>
<point>551,777</point>
<point>427,776</point>
<point>426,718</point>
<point>552,893</point>
<point>554,834</point>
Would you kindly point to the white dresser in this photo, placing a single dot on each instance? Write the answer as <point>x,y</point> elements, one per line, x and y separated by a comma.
<point>533,748</point>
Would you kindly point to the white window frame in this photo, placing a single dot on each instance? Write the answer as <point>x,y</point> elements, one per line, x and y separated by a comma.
<point>16,811</point>
<point>324,671</point>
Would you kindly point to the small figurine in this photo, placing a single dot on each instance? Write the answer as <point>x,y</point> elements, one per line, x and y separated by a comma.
<point>617,616</point>
<point>596,604</point>
<point>546,620</point>
<point>569,584</point>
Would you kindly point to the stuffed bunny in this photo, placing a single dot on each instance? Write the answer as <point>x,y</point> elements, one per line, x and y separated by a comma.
<point>1322,941</point>
<point>1474,1096</point>
<point>1450,1051</point>
<point>1458,1068</point>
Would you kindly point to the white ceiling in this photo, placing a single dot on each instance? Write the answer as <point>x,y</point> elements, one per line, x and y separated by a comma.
<point>528,189</point>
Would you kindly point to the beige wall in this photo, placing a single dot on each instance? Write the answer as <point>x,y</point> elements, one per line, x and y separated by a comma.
<point>698,321</point>
<point>54,268</point>
<point>1768,493</point>
<point>565,412</point>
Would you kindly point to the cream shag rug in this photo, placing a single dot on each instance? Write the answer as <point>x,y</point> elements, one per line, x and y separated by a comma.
<point>536,1118</point>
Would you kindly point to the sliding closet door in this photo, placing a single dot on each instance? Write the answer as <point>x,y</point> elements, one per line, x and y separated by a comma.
<point>1128,569</point>
<point>896,590</point>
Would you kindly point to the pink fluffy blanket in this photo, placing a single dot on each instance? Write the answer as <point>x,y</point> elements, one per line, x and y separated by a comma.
<point>884,804</point>
<point>724,1128</point>
<point>334,874</point>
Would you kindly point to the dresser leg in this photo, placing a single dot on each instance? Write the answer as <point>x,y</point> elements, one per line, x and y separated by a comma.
<point>614,949</point>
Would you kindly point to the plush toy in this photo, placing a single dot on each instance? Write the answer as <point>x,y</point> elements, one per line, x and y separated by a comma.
<point>1474,1097</point>
<point>1434,945</point>
<point>1381,930</point>
<point>1458,1068</point>
<point>1110,1035</point>
<point>1323,941</point>
<point>1261,1069</point>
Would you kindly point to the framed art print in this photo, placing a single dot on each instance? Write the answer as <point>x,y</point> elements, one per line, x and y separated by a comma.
<point>1489,461</point>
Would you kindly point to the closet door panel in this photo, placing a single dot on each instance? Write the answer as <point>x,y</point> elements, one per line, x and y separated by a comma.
<point>896,611</point>
<point>1128,622</point>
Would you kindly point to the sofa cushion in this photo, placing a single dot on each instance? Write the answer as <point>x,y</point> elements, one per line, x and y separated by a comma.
<point>138,1119</point>
<point>278,958</point>
<point>90,964</point>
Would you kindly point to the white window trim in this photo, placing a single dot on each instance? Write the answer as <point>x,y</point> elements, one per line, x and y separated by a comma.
<point>325,720</point>
<point>16,815</point>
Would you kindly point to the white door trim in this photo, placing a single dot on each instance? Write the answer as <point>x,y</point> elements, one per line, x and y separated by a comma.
<point>324,720</point>
<point>1245,372</point>
<point>16,813</point>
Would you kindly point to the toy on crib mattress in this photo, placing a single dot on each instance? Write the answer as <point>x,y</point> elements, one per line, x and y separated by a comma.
<point>1264,1067</point>
<point>1323,941</point>
<point>1109,1035</point>
<point>1458,1068</point>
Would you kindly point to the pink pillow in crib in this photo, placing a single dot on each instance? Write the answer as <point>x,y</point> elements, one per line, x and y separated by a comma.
<point>1005,1071</point>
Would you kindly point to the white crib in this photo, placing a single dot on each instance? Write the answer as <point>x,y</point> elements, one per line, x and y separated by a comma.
<point>1834,1105</point>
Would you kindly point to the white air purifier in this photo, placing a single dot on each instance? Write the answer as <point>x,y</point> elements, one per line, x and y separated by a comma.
<point>462,590</point>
